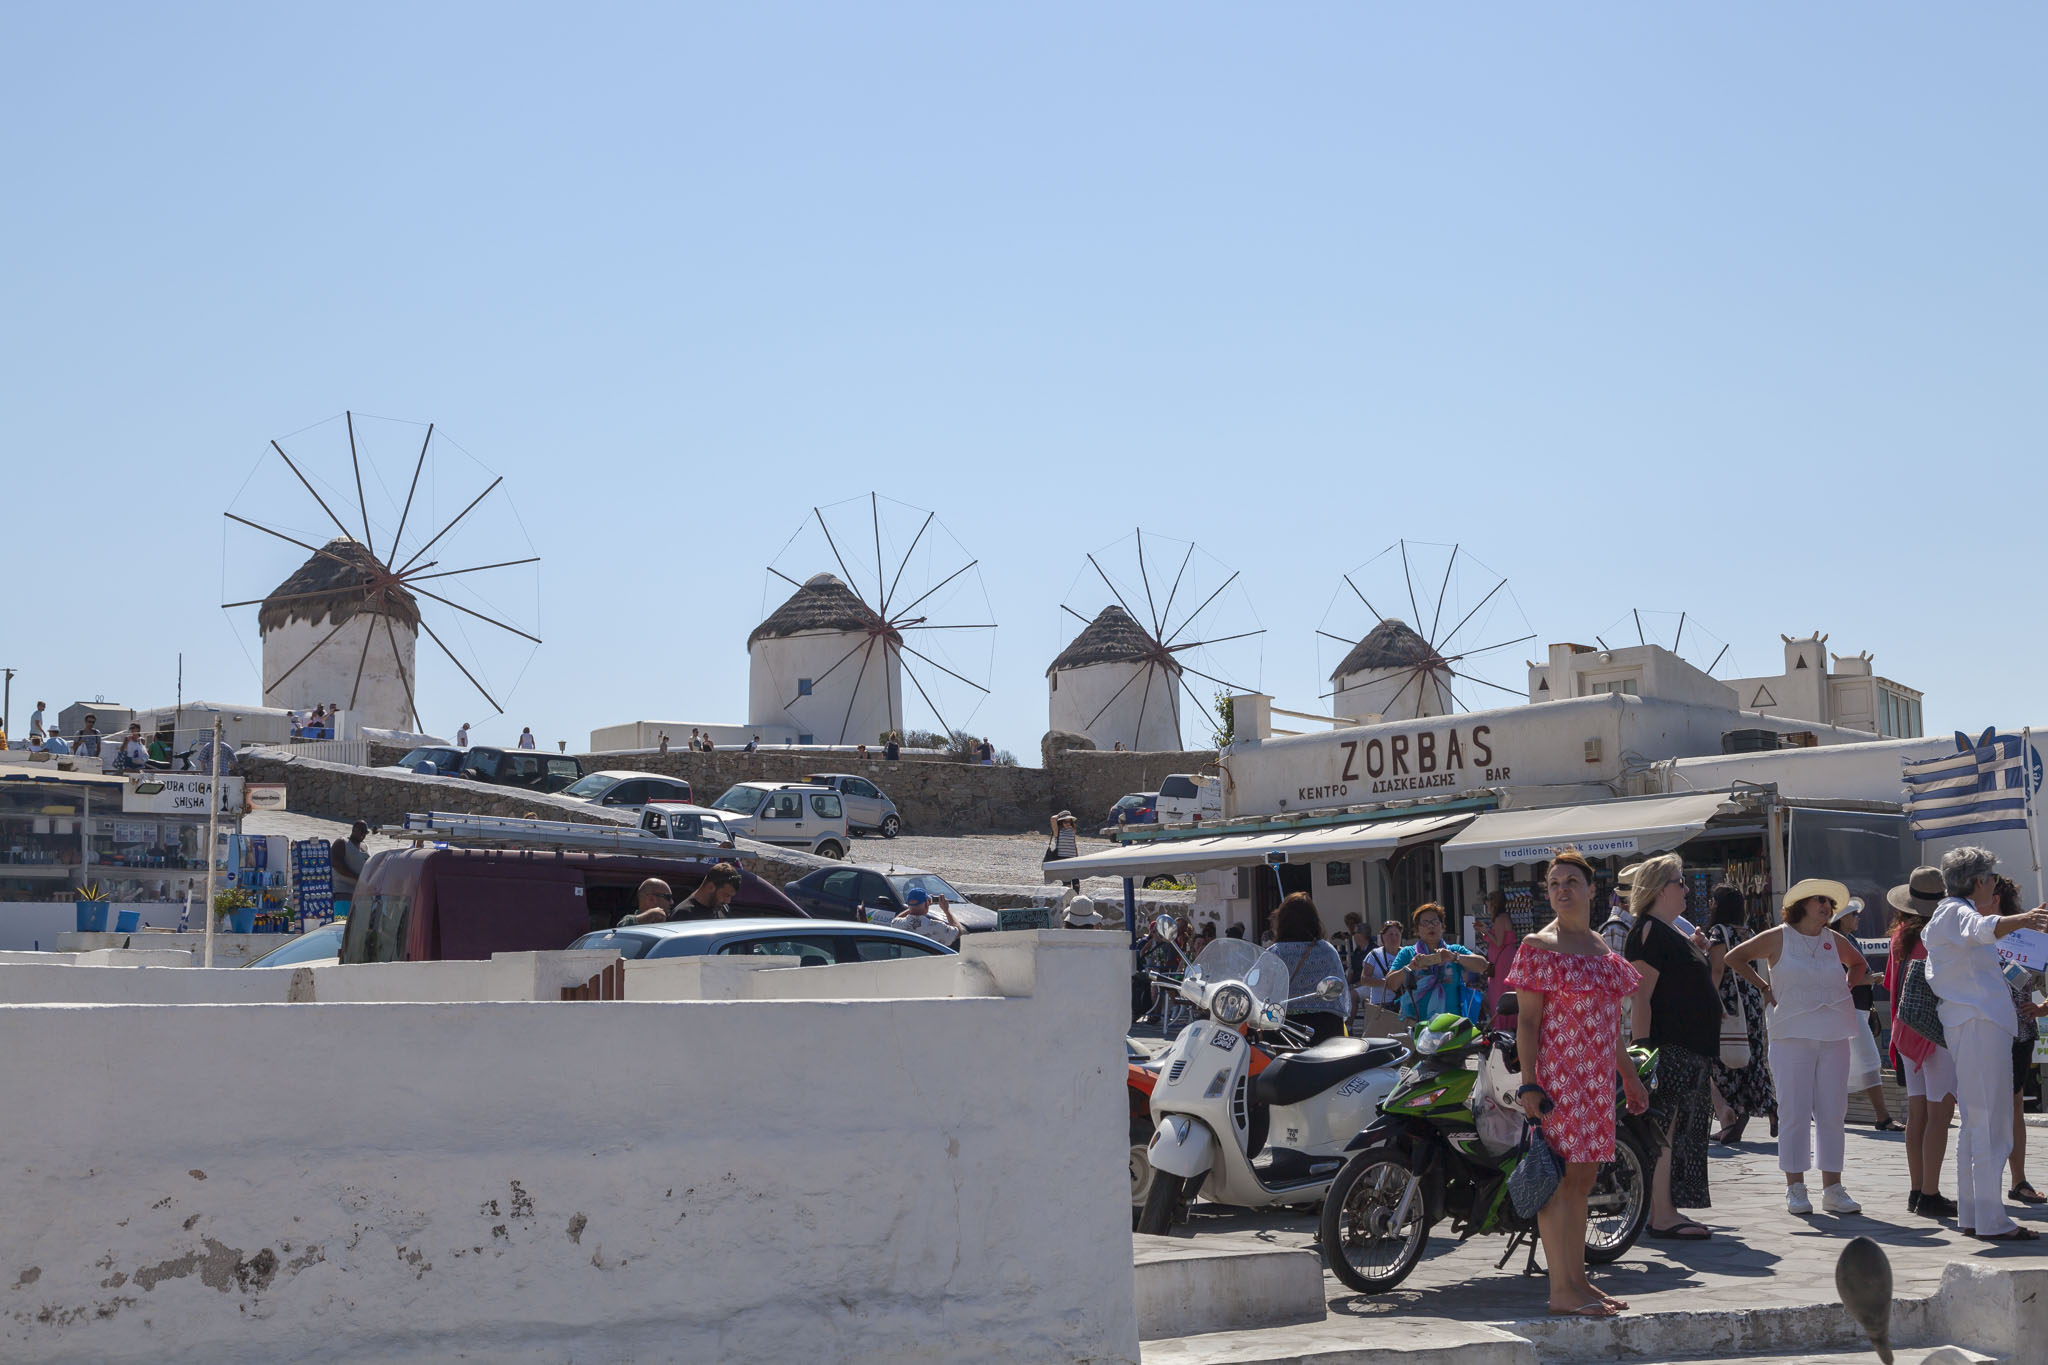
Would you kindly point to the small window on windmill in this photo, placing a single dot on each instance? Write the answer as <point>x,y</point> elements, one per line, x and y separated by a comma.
<point>803,687</point>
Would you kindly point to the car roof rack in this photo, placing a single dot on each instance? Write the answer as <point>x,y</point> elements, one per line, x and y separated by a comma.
<point>508,831</point>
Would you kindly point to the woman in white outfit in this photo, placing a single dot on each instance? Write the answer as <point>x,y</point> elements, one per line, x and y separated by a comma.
<point>1811,1021</point>
<point>1979,1023</point>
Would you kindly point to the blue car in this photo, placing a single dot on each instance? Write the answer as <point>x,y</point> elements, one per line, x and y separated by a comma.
<point>815,943</point>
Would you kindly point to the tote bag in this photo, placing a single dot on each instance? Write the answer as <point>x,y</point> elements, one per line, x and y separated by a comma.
<point>1534,1181</point>
<point>1919,1006</point>
<point>1735,1053</point>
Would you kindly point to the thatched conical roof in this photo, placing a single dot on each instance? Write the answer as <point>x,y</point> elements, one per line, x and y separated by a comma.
<point>822,603</point>
<point>1390,644</point>
<point>339,588</point>
<point>1112,637</point>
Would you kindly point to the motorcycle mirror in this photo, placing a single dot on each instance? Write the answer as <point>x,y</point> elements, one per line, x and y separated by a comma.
<point>1166,926</point>
<point>1330,988</point>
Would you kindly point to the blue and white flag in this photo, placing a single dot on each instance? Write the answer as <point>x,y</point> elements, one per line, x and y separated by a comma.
<point>1980,788</point>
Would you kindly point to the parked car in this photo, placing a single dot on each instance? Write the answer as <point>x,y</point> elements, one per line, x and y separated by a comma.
<point>433,904</point>
<point>1139,808</point>
<point>527,768</point>
<point>617,787</point>
<point>795,814</point>
<point>429,760</point>
<point>866,807</point>
<point>816,943</point>
<point>310,949</point>
<point>852,892</point>
<point>1189,799</point>
<point>681,820</point>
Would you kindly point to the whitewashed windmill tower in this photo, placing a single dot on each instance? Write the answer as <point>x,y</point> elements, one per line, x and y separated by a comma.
<point>830,664</point>
<point>1392,674</point>
<point>327,640</point>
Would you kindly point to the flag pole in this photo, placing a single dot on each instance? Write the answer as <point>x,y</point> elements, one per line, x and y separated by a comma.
<point>2027,781</point>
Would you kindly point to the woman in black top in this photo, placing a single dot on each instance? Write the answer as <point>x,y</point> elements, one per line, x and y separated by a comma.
<point>1677,1010</point>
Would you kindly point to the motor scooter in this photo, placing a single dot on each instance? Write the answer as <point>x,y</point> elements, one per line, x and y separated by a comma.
<point>1276,1137</point>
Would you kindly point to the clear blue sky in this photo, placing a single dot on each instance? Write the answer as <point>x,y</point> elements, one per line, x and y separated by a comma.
<point>1733,309</point>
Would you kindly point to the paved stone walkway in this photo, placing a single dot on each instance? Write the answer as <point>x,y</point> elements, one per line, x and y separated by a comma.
<point>1760,1256</point>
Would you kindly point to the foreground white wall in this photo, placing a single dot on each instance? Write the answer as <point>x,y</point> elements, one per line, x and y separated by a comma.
<point>743,1180</point>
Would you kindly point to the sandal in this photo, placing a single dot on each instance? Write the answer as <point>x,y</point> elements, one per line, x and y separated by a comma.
<point>1732,1134</point>
<point>2026,1193</point>
<point>1598,1308</point>
<point>2017,1234</point>
<point>1890,1126</point>
<point>1687,1231</point>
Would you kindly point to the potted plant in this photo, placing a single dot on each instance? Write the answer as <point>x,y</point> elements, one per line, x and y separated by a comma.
<point>92,903</point>
<point>237,905</point>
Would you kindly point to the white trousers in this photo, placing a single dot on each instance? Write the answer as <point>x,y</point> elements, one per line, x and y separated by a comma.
<point>1813,1093</point>
<point>1983,1058</point>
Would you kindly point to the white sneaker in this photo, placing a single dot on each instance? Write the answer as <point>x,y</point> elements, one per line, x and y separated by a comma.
<point>1796,1200</point>
<point>1835,1199</point>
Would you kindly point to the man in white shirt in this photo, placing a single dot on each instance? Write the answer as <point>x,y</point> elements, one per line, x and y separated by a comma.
<point>462,736</point>
<point>932,919</point>
<point>1977,1016</point>
<point>35,722</point>
<point>1619,920</point>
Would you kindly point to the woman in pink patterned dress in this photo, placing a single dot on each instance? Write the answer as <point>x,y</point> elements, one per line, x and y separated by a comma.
<point>1569,988</point>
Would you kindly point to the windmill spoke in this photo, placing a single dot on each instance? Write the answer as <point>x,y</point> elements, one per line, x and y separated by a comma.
<point>1113,592</point>
<point>947,671</point>
<point>888,690</point>
<point>986,625</point>
<point>310,653</point>
<point>1445,642</point>
<point>1220,682</point>
<point>906,562</point>
<point>1220,639</point>
<point>1075,614</point>
<point>1167,615</point>
<point>1494,685</point>
<point>881,592</point>
<point>1111,702</point>
<point>450,526</point>
<point>1639,626</point>
<point>1486,649</point>
<point>940,584</point>
<point>398,659</point>
<point>1446,587</point>
<point>1717,659</point>
<point>356,689</point>
<point>908,673</point>
<point>459,664</point>
<point>1200,709</point>
<point>784,577</point>
<point>1681,633</point>
<point>415,576</point>
<point>1145,577</point>
<point>318,550</point>
<point>1199,610</point>
<point>854,696</point>
<point>418,464</point>
<point>361,502</point>
<point>478,615</point>
<point>1138,731</point>
<point>287,597</point>
<point>828,672</point>
<point>1414,675</point>
<point>346,534</point>
<point>1377,614</point>
<point>835,552</point>
<point>1411,585</point>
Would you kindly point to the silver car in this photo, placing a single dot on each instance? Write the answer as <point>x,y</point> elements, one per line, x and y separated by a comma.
<point>866,807</point>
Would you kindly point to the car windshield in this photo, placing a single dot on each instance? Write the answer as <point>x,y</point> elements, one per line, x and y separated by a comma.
<point>440,758</point>
<point>610,941</point>
<point>930,884</point>
<point>591,787</point>
<point>308,947</point>
<point>739,800</point>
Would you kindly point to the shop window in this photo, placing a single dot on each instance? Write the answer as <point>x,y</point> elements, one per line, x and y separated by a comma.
<point>1621,686</point>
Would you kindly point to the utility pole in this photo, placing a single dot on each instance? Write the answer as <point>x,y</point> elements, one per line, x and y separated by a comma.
<point>214,767</point>
<point>7,702</point>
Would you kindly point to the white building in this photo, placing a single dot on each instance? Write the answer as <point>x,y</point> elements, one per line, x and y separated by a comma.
<point>331,640</point>
<point>1392,674</point>
<point>1117,685</point>
<point>826,667</point>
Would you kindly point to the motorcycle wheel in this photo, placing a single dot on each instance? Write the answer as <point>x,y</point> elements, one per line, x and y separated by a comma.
<point>1165,1204</point>
<point>1357,1233</point>
<point>1619,1205</point>
<point>1142,1175</point>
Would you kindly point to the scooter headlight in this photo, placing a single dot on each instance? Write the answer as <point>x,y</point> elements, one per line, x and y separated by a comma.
<point>1232,1005</point>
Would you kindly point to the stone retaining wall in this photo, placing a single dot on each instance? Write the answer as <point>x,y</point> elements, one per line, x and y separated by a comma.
<point>336,791</point>
<point>1089,781</point>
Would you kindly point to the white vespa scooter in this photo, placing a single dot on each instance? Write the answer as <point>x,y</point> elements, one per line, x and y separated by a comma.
<point>1255,1141</point>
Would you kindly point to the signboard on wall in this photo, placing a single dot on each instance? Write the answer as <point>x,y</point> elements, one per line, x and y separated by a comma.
<point>1592,848</point>
<point>181,794</point>
<point>1024,917</point>
<point>266,796</point>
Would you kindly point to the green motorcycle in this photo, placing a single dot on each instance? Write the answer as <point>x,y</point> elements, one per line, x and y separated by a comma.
<point>1446,1140</point>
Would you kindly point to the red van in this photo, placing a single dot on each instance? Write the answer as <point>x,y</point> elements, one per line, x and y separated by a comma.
<point>431,904</point>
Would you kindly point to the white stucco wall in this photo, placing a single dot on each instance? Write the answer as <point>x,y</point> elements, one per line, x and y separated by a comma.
<point>330,675</point>
<point>741,1180</point>
<point>1082,693</point>
<point>776,664</point>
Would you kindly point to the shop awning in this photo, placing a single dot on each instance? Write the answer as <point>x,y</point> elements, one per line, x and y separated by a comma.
<point>1607,829</point>
<point>1318,843</point>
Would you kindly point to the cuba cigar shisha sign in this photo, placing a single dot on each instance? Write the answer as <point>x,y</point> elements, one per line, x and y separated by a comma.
<point>1439,759</point>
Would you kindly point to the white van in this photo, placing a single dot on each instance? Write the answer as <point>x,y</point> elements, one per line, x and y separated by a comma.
<point>1190,799</point>
<point>793,814</point>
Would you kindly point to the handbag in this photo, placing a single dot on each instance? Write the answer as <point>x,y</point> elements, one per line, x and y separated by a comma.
<point>1534,1181</point>
<point>1919,1006</point>
<point>1735,1050</point>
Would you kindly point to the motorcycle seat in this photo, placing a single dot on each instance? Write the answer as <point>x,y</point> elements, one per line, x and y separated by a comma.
<point>1292,1079</point>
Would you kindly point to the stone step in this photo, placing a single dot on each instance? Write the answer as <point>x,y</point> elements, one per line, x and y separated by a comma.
<point>1904,1355</point>
<point>1348,1341</point>
<point>1187,1286</point>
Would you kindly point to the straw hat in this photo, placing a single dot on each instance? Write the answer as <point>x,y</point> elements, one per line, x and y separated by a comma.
<point>1816,886</point>
<point>1625,880</point>
<point>1920,895</point>
<point>1081,914</point>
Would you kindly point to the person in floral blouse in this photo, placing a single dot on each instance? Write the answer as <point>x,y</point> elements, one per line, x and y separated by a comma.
<point>1569,987</point>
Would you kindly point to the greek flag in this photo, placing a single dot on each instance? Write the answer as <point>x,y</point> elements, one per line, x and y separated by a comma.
<point>1980,788</point>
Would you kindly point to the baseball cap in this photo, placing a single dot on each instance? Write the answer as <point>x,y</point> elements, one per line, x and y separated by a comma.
<point>917,895</point>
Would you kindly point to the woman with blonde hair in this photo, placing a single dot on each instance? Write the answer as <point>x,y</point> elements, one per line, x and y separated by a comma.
<point>1677,1011</point>
<point>1811,1022</point>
